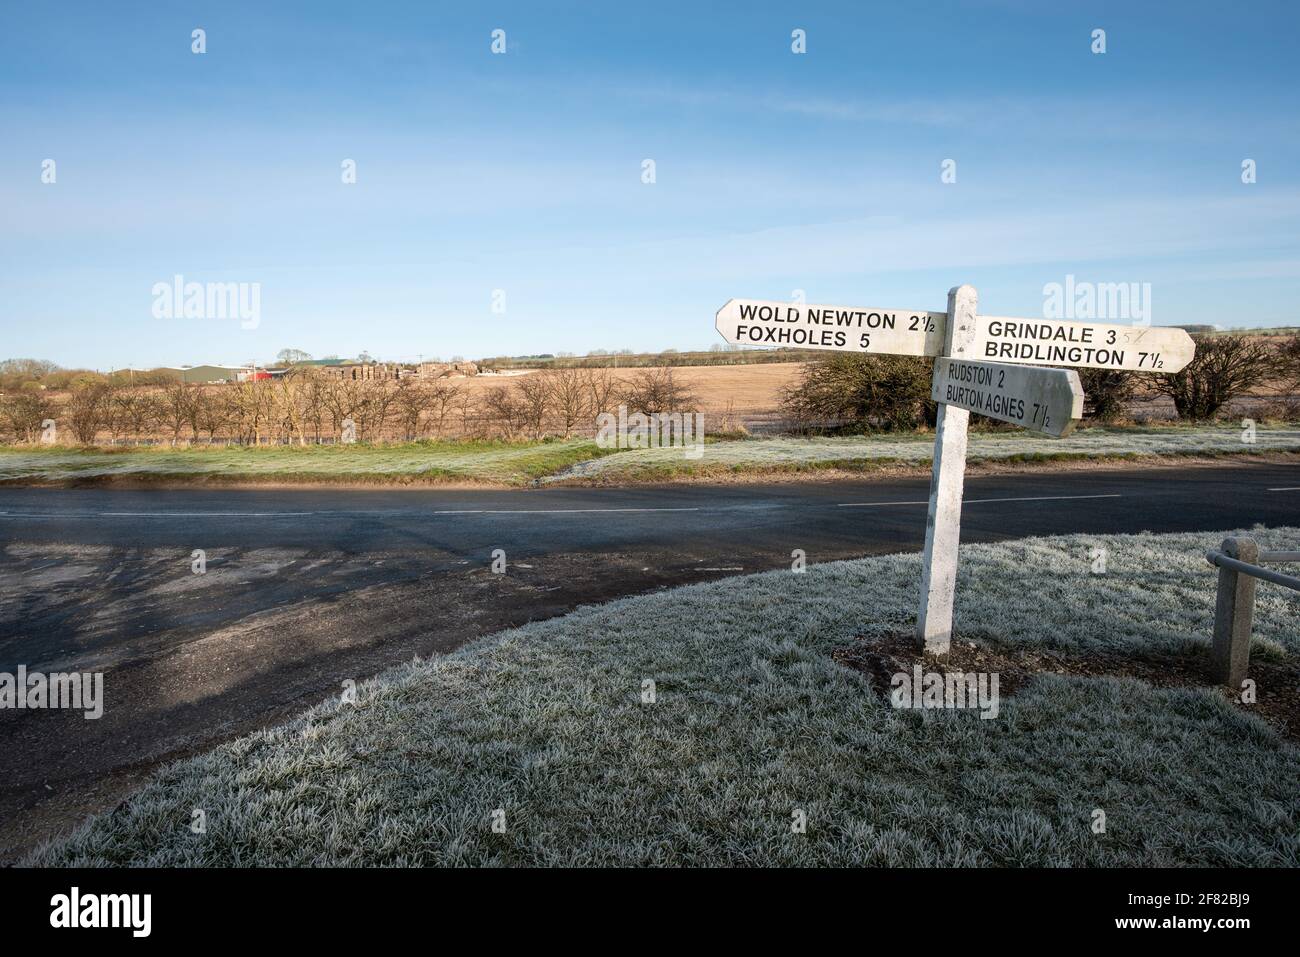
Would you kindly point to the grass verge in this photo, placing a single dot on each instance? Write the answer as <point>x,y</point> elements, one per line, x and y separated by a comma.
<point>754,719</point>
<point>776,456</point>
<point>581,461</point>
<point>497,463</point>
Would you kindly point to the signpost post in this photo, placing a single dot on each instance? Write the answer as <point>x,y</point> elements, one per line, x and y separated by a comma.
<point>943,517</point>
<point>985,364</point>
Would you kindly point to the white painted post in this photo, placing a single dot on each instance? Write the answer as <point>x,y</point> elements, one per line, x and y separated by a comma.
<point>943,521</point>
<point>1234,610</point>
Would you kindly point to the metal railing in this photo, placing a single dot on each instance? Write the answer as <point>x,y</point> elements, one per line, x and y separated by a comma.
<point>1238,561</point>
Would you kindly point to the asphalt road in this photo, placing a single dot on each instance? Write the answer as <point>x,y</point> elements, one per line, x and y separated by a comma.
<point>862,516</point>
<point>306,588</point>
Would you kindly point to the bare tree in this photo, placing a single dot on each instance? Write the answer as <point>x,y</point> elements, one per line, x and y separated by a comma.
<point>533,396</point>
<point>115,418</point>
<point>603,389</point>
<point>570,396</point>
<point>15,372</point>
<point>298,403</point>
<point>215,412</point>
<point>270,415</point>
<point>243,413</point>
<point>657,390</point>
<point>501,406</point>
<point>88,409</point>
<point>1224,367</point>
<point>1106,392</point>
<point>375,408</point>
<point>442,397</point>
<point>342,398</point>
<point>194,411</point>
<point>313,398</point>
<point>177,407</point>
<point>252,411</point>
<point>134,412</point>
<point>466,406</point>
<point>25,412</point>
<point>1288,363</point>
<point>289,357</point>
<point>411,401</point>
<point>865,390</point>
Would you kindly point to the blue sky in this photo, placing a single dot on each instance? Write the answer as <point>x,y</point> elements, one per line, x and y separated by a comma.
<point>523,172</point>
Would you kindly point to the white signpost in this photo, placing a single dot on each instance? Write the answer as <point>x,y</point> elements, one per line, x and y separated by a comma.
<point>985,364</point>
<point>899,332</point>
<point>1096,345</point>
<point>904,332</point>
<point>1032,397</point>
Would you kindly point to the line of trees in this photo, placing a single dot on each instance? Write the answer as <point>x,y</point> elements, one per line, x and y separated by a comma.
<point>852,390</point>
<point>307,407</point>
<point>889,393</point>
<point>720,354</point>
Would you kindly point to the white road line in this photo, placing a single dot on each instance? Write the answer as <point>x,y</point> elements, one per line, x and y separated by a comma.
<point>514,511</point>
<point>980,501</point>
<point>1036,498</point>
<point>876,504</point>
<point>466,511</point>
<point>76,515</point>
<point>554,511</point>
<point>1289,488</point>
<point>199,514</point>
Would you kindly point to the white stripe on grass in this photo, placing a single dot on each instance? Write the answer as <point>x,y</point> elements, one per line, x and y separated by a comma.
<point>754,720</point>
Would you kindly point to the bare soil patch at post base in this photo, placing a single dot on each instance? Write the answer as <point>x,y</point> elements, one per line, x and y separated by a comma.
<point>882,656</point>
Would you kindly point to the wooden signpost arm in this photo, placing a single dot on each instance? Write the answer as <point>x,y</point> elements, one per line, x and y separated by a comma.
<point>943,520</point>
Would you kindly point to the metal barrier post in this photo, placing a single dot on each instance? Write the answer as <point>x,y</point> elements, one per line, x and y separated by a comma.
<point>1233,611</point>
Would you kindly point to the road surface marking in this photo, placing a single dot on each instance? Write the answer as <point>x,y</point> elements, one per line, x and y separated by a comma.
<point>198,514</point>
<point>466,511</point>
<point>979,501</point>
<point>877,504</point>
<point>529,511</point>
<point>1289,488</point>
<point>92,515</point>
<point>554,511</point>
<point>1037,498</point>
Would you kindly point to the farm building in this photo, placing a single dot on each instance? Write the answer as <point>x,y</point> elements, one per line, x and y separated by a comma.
<point>364,370</point>
<point>205,373</point>
<point>439,370</point>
